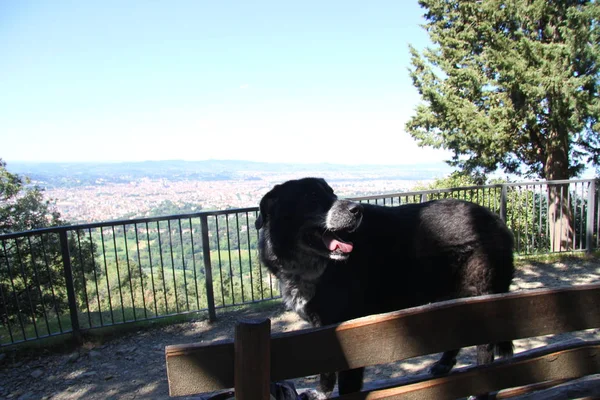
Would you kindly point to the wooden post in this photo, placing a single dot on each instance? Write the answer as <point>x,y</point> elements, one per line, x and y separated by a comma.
<point>252,367</point>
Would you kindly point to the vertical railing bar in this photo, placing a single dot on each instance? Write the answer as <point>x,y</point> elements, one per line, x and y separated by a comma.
<point>527,245</point>
<point>5,307</point>
<point>533,237</point>
<point>218,241</point>
<point>5,304</point>
<point>194,264</point>
<point>260,274</point>
<point>14,290</point>
<point>597,211</point>
<point>162,268</point>
<point>212,316</point>
<point>151,269</point>
<point>589,234</point>
<point>237,226</point>
<point>187,301</point>
<point>118,273</point>
<point>230,261</point>
<point>173,267</point>
<point>519,215</point>
<point>572,200</point>
<point>581,216</point>
<point>571,203</point>
<point>503,210</point>
<point>110,307</point>
<point>83,281</point>
<point>548,218</point>
<point>33,318</point>
<point>139,257</point>
<point>560,226</point>
<point>126,244</point>
<point>51,281</point>
<point>250,259</point>
<point>68,271</point>
<point>541,208</point>
<point>39,285</point>
<point>518,218</point>
<point>95,276</point>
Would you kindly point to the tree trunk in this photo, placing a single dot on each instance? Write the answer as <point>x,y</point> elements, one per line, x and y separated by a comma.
<point>560,215</point>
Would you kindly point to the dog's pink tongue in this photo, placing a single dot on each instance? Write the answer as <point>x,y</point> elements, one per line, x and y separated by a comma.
<point>344,247</point>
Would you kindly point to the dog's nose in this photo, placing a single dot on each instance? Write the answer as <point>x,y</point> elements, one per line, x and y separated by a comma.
<point>354,208</point>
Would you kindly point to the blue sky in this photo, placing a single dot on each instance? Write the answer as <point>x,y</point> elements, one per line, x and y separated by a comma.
<point>275,81</point>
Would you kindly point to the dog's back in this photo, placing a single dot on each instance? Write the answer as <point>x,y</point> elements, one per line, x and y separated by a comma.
<point>417,254</point>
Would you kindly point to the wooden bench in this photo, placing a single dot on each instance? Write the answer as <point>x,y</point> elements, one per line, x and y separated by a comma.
<point>255,357</point>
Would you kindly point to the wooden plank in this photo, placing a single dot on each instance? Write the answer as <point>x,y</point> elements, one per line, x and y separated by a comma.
<point>586,387</point>
<point>394,336</point>
<point>252,347</point>
<point>512,393</point>
<point>199,368</point>
<point>434,328</point>
<point>543,364</point>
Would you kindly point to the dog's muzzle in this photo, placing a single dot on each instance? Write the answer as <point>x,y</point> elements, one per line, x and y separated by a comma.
<point>343,217</point>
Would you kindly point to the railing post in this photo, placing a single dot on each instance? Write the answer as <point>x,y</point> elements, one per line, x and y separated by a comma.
<point>591,207</point>
<point>210,298</point>
<point>66,257</point>
<point>503,196</point>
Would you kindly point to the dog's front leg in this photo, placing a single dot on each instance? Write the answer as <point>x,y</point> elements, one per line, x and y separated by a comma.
<point>351,381</point>
<point>327,383</point>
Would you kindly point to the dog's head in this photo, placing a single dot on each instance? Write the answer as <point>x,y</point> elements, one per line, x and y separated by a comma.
<point>304,217</point>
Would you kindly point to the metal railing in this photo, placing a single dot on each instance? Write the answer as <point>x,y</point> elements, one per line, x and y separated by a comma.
<point>73,278</point>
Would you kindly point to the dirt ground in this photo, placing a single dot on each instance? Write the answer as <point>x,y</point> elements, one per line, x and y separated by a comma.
<point>132,366</point>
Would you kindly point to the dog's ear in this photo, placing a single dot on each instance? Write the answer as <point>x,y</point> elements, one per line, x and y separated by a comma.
<point>265,205</point>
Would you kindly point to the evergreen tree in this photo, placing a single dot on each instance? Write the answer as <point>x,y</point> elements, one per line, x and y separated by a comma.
<point>512,85</point>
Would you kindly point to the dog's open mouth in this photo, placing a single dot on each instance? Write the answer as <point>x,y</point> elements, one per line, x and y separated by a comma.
<point>337,245</point>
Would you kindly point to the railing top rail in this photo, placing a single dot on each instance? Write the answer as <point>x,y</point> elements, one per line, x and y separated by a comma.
<point>124,222</point>
<point>455,189</point>
<point>133,221</point>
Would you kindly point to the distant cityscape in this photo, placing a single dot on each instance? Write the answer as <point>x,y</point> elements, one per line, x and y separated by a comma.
<point>102,192</point>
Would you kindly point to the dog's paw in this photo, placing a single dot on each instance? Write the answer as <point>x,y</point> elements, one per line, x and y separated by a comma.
<point>441,368</point>
<point>312,394</point>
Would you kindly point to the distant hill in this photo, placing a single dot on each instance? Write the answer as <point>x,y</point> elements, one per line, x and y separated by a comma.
<point>83,174</point>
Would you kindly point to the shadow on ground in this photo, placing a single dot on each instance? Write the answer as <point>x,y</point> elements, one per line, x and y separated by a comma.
<point>133,366</point>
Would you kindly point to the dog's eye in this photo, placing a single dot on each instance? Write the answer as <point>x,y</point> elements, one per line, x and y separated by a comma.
<point>312,200</point>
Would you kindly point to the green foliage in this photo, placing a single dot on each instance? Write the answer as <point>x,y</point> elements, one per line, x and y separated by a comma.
<point>22,207</point>
<point>511,85</point>
<point>454,180</point>
<point>31,269</point>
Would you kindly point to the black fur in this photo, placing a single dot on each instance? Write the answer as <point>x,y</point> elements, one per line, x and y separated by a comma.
<point>338,260</point>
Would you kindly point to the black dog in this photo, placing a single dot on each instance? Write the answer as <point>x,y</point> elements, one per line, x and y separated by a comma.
<point>338,260</point>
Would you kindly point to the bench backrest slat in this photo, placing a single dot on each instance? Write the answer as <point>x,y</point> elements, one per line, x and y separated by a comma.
<point>550,363</point>
<point>394,336</point>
